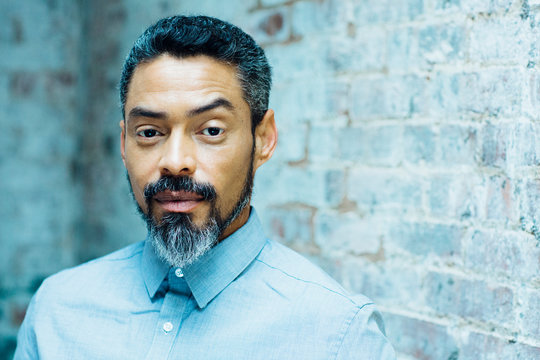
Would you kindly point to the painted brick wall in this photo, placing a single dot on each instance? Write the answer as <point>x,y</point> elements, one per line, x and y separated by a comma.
<point>407,164</point>
<point>39,203</point>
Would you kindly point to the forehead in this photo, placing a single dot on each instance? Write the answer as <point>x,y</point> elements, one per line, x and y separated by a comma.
<point>169,79</point>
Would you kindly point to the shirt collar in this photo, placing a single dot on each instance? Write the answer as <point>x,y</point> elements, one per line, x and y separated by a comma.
<point>213,271</point>
<point>154,270</point>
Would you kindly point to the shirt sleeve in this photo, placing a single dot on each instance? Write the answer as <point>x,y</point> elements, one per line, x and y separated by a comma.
<point>26,338</point>
<point>365,337</point>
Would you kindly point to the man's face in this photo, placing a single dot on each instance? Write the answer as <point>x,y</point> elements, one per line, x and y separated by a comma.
<point>186,118</point>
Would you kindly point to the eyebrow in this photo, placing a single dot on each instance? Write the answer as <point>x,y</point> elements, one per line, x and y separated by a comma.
<point>138,111</point>
<point>220,102</point>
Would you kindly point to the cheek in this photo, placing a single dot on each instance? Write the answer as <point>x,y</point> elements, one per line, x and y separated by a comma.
<point>139,176</point>
<point>136,186</point>
<point>230,173</point>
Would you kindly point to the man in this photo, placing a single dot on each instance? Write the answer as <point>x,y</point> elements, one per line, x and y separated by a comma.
<point>206,283</point>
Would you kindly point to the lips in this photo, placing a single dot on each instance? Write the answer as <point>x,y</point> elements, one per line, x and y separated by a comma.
<point>178,201</point>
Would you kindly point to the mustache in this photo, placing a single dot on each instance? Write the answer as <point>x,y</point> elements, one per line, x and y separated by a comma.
<point>180,183</point>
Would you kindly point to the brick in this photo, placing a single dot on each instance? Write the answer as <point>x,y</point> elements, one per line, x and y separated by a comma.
<point>324,142</point>
<point>386,97</point>
<point>16,310</point>
<point>478,346</point>
<point>420,339</point>
<point>402,49</point>
<point>235,11</point>
<point>473,299</point>
<point>295,61</point>
<point>493,92</point>
<point>387,11</point>
<point>419,144</point>
<point>494,145</point>
<point>315,17</point>
<point>529,314</point>
<point>524,144</point>
<point>441,44</point>
<point>386,283</point>
<point>459,144</point>
<point>348,233</point>
<point>497,93</point>
<point>532,101</point>
<point>456,196</point>
<point>43,259</point>
<point>424,239</point>
<point>7,345</point>
<point>308,100</point>
<point>292,143</point>
<point>272,2</point>
<point>486,6</point>
<point>385,191</point>
<point>363,53</point>
<point>35,100</point>
<point>447,4</point>
<point>530,218</point>
<point>38,44</point>
<point>11,29</point>
<point>510,254</point>
<point>292,226</point>
<point>502,201</point>
<point>59,85</point>
<point>312,186</point>
<point>372,145</point>
<point>495,39</point>
<point>439,195</point>
<point>22,84</point>
<point>5,79</point>
<point>411,47</point>
<point>42,134</point>
<point>267,26</point>
<point>446,93</point>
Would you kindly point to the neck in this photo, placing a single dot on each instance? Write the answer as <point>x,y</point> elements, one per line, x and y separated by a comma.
<point>237,223</point>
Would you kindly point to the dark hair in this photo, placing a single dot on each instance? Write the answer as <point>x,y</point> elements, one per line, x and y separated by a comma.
<point>184,36</point>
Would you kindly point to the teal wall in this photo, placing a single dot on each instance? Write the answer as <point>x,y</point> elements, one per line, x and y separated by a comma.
<point>407,163</point>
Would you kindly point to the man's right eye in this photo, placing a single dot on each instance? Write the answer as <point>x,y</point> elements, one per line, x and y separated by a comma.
<point>148,133</point>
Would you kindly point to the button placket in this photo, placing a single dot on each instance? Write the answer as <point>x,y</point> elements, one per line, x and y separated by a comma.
<point>169,321</point>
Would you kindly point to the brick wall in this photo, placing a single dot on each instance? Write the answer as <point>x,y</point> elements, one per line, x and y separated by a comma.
<point>39,204</point>
<point>406,165</point>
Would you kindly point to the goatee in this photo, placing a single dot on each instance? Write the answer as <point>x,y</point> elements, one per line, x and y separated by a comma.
<point>176,239</point>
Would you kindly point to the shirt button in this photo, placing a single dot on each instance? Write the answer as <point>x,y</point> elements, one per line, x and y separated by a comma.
<point>168,326</point>
<point>178,272</point>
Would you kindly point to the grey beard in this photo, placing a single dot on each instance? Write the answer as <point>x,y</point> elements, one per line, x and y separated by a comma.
<point>179,242</point>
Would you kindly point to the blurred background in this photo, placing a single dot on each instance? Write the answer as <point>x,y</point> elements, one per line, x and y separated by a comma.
<point>407,163</point>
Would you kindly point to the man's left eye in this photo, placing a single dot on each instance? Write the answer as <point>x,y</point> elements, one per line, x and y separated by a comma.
<point>212,131</point>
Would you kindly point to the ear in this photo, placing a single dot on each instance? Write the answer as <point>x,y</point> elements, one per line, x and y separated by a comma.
<point>122,124</point>
<point>266,136</point>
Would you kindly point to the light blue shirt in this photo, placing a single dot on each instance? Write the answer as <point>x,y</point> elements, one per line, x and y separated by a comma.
<point>247,298</point>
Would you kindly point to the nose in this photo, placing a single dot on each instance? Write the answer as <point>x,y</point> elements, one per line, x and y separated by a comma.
<point>177,156</point>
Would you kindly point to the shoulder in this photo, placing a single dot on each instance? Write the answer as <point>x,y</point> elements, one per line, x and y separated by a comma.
<point>93,275</point>
<point>75,296</point>
<point>297,274</point>
<point>364,333</point>
<point>352,323</point>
